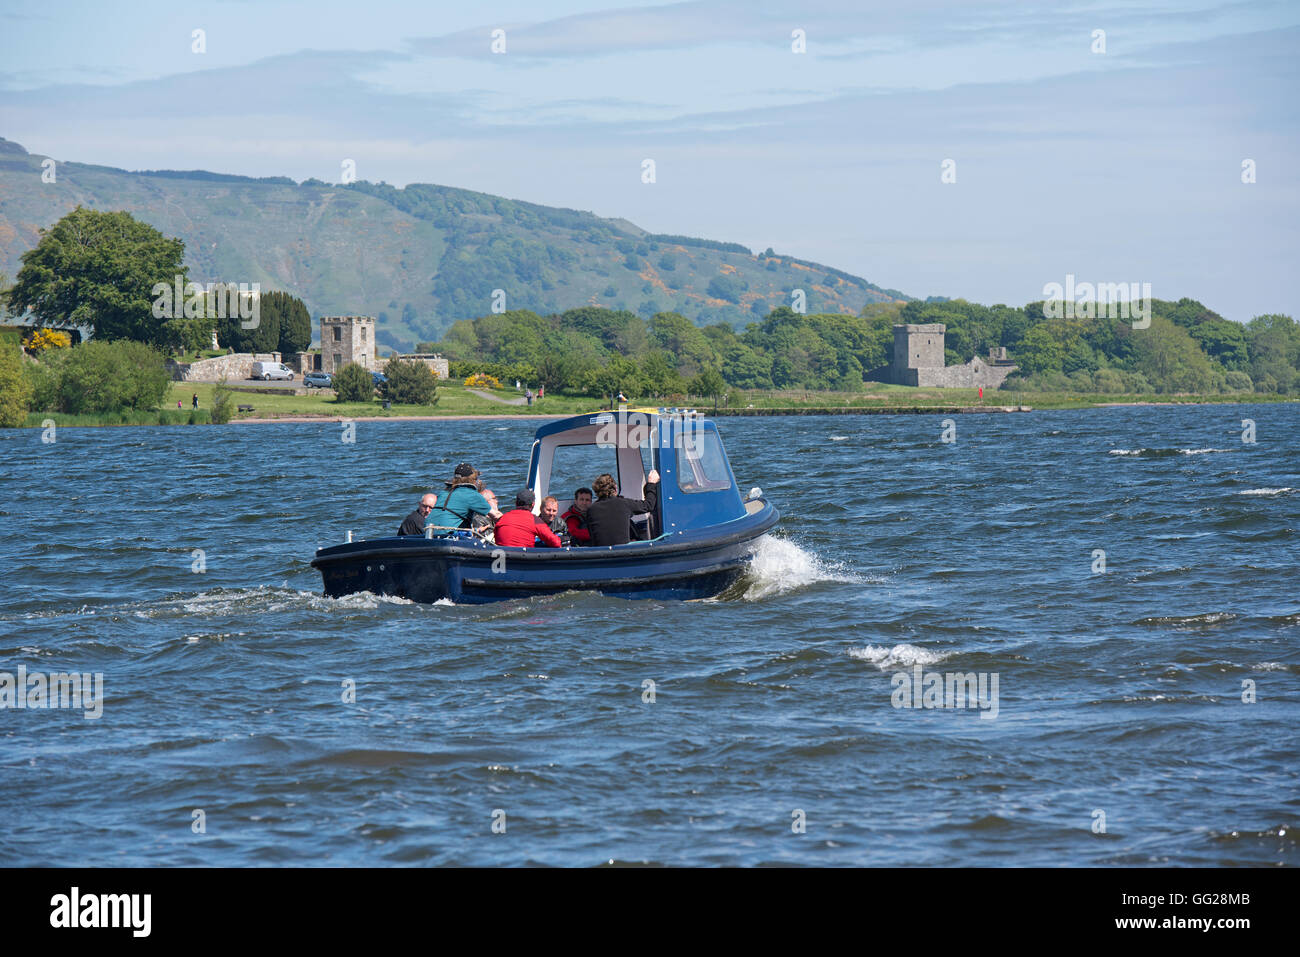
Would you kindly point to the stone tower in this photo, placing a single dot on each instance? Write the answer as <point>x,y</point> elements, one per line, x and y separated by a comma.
<point>345,339</point>
<point>917,347</point>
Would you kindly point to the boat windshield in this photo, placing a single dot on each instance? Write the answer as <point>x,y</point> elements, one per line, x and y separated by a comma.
<point>702,465</point>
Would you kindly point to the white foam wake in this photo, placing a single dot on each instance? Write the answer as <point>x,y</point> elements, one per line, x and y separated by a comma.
<point>899,656</point>
<point>1267,491</point>
<point>779,566</point>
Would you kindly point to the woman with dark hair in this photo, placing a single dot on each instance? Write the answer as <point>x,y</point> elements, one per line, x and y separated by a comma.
<point>609,519</point>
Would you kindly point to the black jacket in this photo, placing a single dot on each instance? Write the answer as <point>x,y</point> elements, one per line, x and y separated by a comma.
<point>413,524</point>
<point>610,519</point>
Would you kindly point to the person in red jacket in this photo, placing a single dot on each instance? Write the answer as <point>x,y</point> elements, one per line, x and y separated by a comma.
<point>576,517</point>
<point>519,527</point>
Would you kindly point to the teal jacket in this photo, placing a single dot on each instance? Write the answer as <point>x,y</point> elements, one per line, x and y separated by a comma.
<point>454,507</point>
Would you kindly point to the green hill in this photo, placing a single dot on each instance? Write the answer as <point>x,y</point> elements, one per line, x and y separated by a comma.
<point>422,257</point>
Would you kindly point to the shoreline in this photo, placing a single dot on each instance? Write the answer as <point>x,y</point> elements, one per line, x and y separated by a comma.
<point>762,412</point>
<point>395,418</point>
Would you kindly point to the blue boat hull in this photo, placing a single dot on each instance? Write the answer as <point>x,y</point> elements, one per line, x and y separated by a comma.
<point>676,567</point>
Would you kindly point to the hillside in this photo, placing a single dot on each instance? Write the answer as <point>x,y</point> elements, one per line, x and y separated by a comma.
<point>422,257</point>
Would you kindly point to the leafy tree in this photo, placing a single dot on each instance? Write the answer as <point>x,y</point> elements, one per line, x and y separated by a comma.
<point>1168,356</point>
<point>100,269</point>
<point>223,403</point>
<point>1223,341</point>
<point>15,387</point>
<point>410,383</point>
<point>187,335</point>
<point>1040,351</point>
<point>659,375</point>
<point>746,369</point>
<point>710,383</point>
<point>620,375</point>
<point>1274,349</point>
<point>1238,381</point>
<point>102,376</point>
<point>353,384</point>
<point>727,287</point>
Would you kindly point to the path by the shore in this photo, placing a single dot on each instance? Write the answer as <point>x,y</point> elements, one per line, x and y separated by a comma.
<point>496,398</point>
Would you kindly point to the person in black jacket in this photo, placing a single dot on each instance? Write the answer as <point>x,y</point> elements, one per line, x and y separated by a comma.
<point>414,523</point>
<point>609,518</point>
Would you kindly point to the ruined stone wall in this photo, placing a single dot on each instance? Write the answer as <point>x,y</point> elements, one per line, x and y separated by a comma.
<point>437,364</point>
<point>972,375</point>
<point>234,367</point>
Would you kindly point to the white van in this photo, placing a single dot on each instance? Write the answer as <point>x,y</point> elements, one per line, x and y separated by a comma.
<point>272,370</point>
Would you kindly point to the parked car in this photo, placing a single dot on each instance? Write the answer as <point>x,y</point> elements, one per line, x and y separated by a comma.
<point>318,380</point>
<point>272,370</point>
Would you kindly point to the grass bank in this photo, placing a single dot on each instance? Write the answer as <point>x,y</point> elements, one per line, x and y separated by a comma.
<point>172,416</point>
<point>457,401</point>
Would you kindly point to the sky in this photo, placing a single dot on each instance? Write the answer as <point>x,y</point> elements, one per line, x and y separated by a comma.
<point>1113,157</point>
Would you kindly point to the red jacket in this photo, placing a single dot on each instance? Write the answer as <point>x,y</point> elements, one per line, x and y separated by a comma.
<point>519,526</point>
<point>577,523</point>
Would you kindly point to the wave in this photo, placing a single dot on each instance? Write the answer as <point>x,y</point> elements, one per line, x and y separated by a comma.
<point>780,566</point>
<point>1267,491</point>
<point>1209,618</point>
<point>903,655</point>
<point>1163,453</point>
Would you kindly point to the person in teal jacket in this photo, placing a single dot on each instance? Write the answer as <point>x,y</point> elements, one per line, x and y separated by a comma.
<point>457,507</point>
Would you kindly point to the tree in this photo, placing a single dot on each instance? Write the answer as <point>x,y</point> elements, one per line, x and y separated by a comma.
<point>410,383</point>
<point>223,403</point>
<point>100,270</point>
<point>1274,345</point>
<point>187,335</point>
<point>1168,356</point>
<point>263,337</point>
<point>15,389</point>
<point>353,384</point>
<point>1039,351</point>
<point>102,376</point>
<point>727,287</point>
<point>620,375</point>
<point>293,321</point>
<point>710,383</point>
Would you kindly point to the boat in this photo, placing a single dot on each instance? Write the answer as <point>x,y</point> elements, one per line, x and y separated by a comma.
<point>698,541</point>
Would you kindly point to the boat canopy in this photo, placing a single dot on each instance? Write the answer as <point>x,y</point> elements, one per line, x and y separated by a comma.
<point>698,488</point>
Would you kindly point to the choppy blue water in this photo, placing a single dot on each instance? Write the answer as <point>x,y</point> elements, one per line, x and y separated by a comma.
<point>774,708</point>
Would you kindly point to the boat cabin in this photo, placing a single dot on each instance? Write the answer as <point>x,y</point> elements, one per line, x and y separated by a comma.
<point>697,489</point>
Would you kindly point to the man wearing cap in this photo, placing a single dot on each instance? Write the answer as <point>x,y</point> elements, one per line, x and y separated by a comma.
<point>520,528</point>
<point>458,507</point>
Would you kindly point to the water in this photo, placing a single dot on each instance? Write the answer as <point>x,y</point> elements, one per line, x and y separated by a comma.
<point>1118,693</point>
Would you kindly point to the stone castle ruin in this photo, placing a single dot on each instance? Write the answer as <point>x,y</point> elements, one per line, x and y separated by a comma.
<point>918,361</point>
<point>345,339</point>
